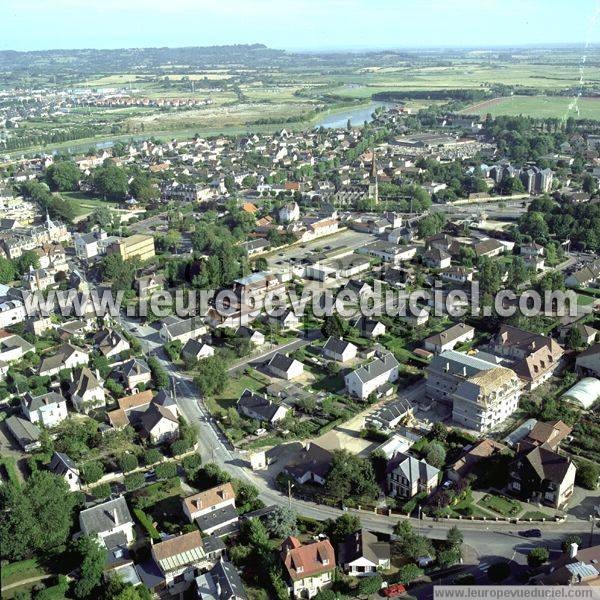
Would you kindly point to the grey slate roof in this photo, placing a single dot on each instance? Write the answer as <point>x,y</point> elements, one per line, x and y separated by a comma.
<point>280,361</point>
<point>61,464</point>
<point>217,519</point>
<point>222,582</point>
<point>256,403</point>
<point>85,381</point>
<point>412,468</point>
<point>36,402</point>
<point>24,431</point>
<point>363,543</point>
<point>336,345</point>
<point>100,518</point>
<point>378,366</point>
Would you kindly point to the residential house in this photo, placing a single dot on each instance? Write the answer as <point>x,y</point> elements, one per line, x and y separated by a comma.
<point>13,347</point>
<point>64,467</point>
<point>158,424</point>
<point>548,434</point>
<point>361,554</point>
<point>182,557</point>
<point>256,337</point>
<point>542,475</point>
<point>587,276</point>
<point>309,567</point>
<point>369,328</point>
<point>533,357</point>
<point>86,391</point>
<point>587,362</point>
<point>577,567</point>
<point>437,258</point>
<point>457,274</point>
<point>259,408</point>
<point>465,465</point>
<point>285,321</point>
<point>369,378</point>
<point>289,212</point>
<point>67,357</point>
<point>174,328</point>
<point>135,372</point>
<point>196,350</point>
<point>310,465</point>
<point>111,343</point>
<point>407,476</point>
<point>47,409</point>
<point>339,350</point>
<point>450,338</point>
<point>131,408</point>
<point>222,582</point>
<point>213,510</point>
<point>357,288</point>
<point>108,520</point>
<point>148,284</point>
<point>533,255</point>
<point>285,367</point>
<point>488,248</point>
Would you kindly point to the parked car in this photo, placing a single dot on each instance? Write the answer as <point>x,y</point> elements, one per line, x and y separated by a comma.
<point>531,533</point>
<point>394,590</point>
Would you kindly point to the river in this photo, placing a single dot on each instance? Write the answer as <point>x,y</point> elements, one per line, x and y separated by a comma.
<point>357,116</point>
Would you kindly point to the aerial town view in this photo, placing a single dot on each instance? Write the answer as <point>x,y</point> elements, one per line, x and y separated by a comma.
<point>299,299</point>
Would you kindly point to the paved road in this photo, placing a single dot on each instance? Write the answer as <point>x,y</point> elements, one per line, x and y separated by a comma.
<point>490,540</point>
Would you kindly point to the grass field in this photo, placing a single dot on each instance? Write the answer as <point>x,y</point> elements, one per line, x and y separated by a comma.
<point>86,205</point>
<point>560,107</point>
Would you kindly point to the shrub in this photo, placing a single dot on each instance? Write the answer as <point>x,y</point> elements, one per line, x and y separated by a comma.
<point>146,522</point>
<point>128,462</point>
<point>92,471</point>
<point>152,456</point>
<point>134,481</point>
<point>166,470</point>
<point>181,446</point>
<point>570,539</point>
<point>191,465</point>
<point>587,475</point>
<point>498,572</point>
<point>537,557</point>
<point>101,491</point>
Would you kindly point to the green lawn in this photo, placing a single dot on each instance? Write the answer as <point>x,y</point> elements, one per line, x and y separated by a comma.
<point>539,106</point>
<point>233,391</point>
<point>85,204</point>
<point>501,505</point>
<point>17,571</point>
<point>584,300</point>
<point>536,515</point>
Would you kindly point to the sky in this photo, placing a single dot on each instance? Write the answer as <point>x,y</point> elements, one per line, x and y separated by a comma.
<point>296,24</point>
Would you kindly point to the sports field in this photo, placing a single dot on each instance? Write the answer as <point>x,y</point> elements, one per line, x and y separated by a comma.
<point>560,107</point>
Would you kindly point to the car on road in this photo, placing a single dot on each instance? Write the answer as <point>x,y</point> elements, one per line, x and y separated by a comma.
<point>394,590</point>
<point>531,533</point>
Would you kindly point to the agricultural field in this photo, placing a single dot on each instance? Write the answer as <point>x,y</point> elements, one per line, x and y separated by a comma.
<point>559,107</point>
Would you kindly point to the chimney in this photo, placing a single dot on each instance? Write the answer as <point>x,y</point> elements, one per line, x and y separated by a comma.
<point>573,549</point>
<point>114,515</point>
<point>218,588</point>
<point>198,503</point>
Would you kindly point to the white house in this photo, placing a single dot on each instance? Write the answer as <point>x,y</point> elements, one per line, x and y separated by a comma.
<point>67,357</point>
<point>289,212</point>
<point>367,379</point>
<point>361,554</point>
<point>107,519</point>
<point>48,409</point>
<point>159,424</point>
<point>208,501</point>
<point>339,350</point>
<point>285,367</point>
<point>64,467</point>
<point>450,338</point>
<point>86,391</point>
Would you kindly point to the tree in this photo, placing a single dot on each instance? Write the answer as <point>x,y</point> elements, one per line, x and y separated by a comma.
<point>570,539</point>
<point>454,536</point>
<point>110,182</point>
<point>537,557</point>
<point>92,471</point>
<point>435,454</point>
<point>173,239</point>
<point>191,465</point>
<point>63,176</point>
<point>350,476</point>
<point>447,558</point>
<point>574,339</point>
<point>409,573</point>
<point>282,522</point>
<point>431,225</point>
<point>211,376</point>
<point>368,586</point>
<point>134,480</point>
<point>165,470</point>
<point>8,272</point>
<point>333,325</point>
<point>29,258</point>
<point>498,572</point>
<point>490,276</point>
<point>128,462</point>
<point>589,184</point>
<point>439,432</point>
<point>159,375</point>
<point>517,272</point>
<point>587,475</point>
<point>339,528</point>
<point>92,556</point>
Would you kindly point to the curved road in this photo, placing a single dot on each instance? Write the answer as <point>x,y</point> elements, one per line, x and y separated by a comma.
<point>490,539</point>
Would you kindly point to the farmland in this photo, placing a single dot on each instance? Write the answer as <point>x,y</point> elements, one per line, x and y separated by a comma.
<point>559,107</point>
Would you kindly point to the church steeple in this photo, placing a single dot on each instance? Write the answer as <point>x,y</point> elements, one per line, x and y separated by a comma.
<point>373,180</point>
